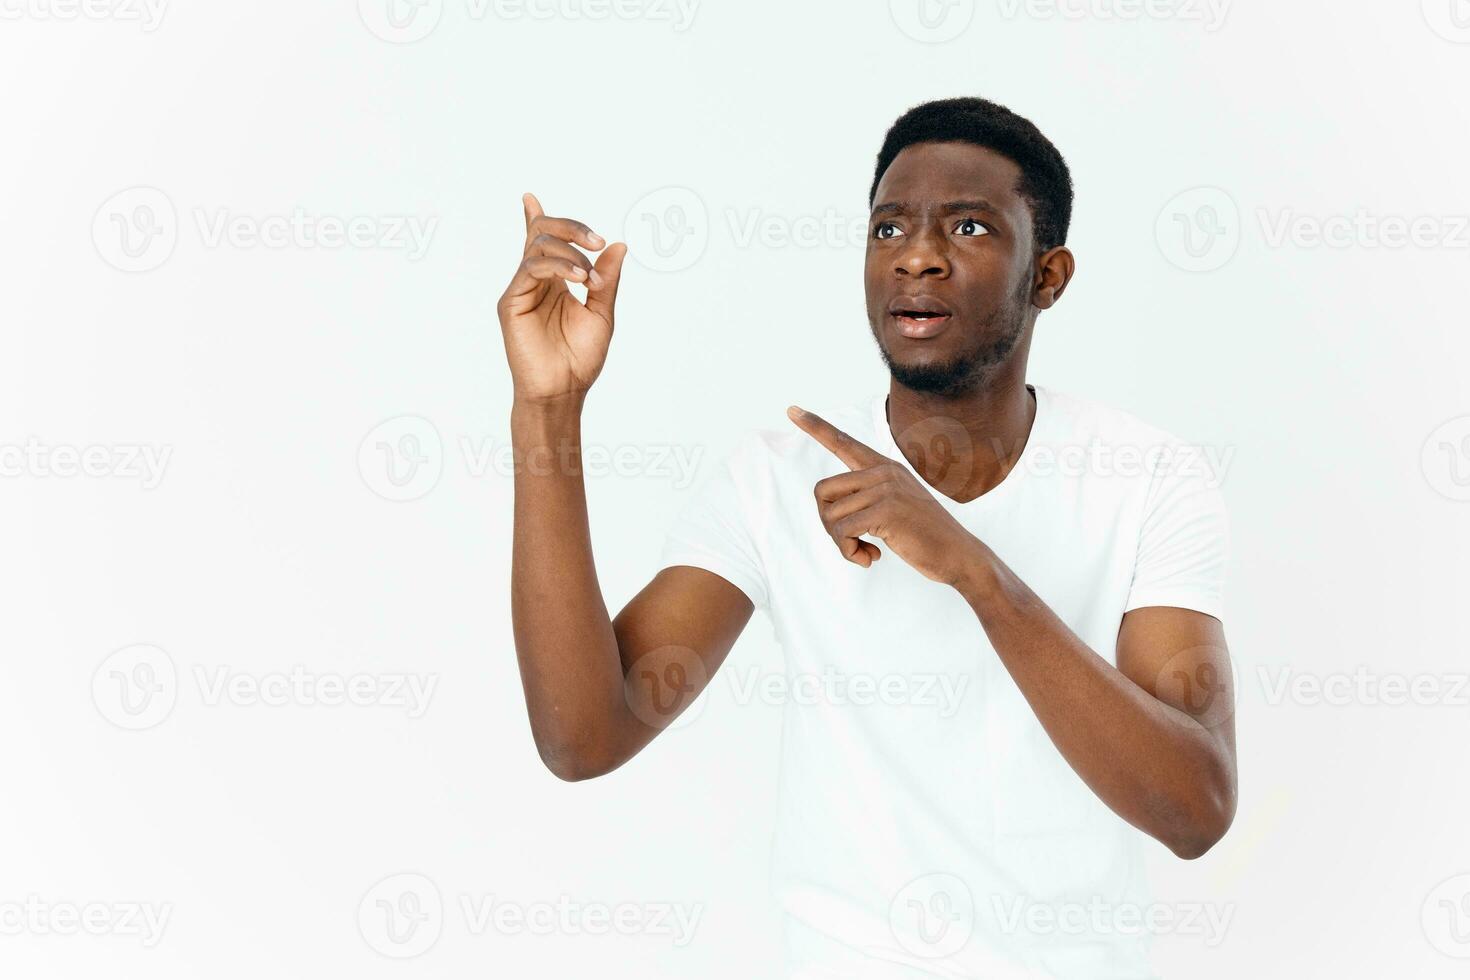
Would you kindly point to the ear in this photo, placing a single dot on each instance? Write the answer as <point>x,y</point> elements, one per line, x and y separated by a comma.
<point>1054,269</point>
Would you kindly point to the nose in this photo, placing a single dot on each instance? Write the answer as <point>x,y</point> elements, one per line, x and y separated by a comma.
<point>924,254</point>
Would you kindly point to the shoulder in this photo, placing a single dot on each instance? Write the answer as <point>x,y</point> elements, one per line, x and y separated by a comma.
<point>1138,458</point>
<point>1075,418</point>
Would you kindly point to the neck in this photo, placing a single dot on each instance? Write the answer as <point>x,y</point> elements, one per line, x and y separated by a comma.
<point>963,446</point>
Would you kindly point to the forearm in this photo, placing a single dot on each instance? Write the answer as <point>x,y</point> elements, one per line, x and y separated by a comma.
<point>570,666</point>
<point>1153,764</point>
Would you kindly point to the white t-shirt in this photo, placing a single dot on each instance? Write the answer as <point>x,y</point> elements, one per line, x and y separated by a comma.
<point>928,826</point>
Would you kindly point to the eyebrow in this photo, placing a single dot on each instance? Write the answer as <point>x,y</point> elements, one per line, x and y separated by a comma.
<point>902,207</point>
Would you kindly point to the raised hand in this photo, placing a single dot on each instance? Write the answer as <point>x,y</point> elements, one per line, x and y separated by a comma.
<point>880,497</point>
<point>556,344</point>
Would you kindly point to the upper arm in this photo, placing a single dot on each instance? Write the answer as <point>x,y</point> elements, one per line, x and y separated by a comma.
<point>672,637</point>
<point>675,634</point>
<point>1171,642</point>
<point>1179,656</point>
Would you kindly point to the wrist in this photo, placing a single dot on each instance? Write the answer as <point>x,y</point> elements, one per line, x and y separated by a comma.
<point>975,578</point>
<point>546,436</point>
<point>560,404</point>
<point>565,407</point>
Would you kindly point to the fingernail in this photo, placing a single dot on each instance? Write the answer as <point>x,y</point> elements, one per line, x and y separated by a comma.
<point>579,273</point>
<point>595,279</point>
<point>792,412</point>
<point>594,239</point>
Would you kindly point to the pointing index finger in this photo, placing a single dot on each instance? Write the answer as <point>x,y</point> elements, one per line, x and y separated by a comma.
<point>854,454</point>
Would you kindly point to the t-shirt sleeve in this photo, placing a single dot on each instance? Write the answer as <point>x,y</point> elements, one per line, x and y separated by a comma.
<point>717,528</point>
<point>1183,541</point>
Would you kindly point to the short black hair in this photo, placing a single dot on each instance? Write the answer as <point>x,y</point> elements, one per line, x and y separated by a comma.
<point>1046,183</point>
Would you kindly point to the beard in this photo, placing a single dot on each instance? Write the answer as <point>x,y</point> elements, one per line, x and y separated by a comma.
<point>960,375</point>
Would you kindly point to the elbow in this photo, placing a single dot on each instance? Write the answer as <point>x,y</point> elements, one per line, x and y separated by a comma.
<point>1192,847</point>
<point>573,770</point>
<point>1206,827</point>
<point>578,743</point>
<point>573,763</point>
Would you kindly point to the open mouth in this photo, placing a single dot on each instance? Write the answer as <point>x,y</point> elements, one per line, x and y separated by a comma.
<point>919,316</point>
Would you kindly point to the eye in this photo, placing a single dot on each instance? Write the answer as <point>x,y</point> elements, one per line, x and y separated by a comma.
<point>970,227</point>
<point>886,229</point>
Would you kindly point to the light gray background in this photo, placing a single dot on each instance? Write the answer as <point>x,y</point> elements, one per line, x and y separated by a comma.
<point>272,375</point>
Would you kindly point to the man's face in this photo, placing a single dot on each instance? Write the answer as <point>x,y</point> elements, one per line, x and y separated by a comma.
<point>950,261</point>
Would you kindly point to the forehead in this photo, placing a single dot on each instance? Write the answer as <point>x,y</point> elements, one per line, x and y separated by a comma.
<point>931,173</point>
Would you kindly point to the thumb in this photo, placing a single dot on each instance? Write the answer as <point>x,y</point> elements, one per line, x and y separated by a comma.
<point>609,266</point>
